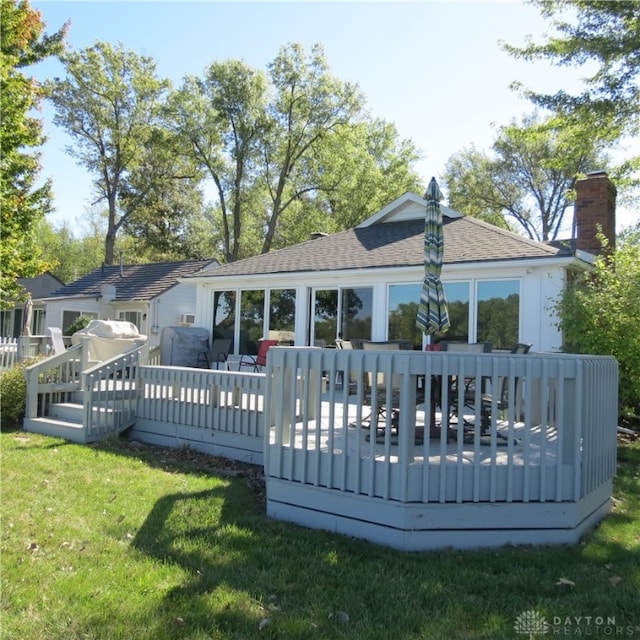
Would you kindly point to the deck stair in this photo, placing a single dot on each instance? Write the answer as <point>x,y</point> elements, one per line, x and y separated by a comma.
<point>65,420</point>
<point>79,401</point>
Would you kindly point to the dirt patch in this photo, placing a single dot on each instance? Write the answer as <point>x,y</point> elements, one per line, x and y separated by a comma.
<point>188,460</point>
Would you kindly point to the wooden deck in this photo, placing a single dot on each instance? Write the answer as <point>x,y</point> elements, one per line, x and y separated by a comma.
<point>547,481</point>
<point>540,473</point>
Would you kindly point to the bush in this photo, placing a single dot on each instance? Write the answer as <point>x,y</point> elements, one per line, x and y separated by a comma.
<point>78,324</point>
<point>599,314</point>
<point>13,394</point>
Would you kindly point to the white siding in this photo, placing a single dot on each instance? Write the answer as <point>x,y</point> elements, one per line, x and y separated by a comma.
<point>56,308</point>
<point>165,310</point>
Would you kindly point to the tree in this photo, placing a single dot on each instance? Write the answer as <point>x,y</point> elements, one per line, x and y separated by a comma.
<point>24,202</point>
<point>162,206</point>
<point>110,103</point>
<point>606,34</point>
<point>289,151</point>
<point>222,117</point>
<point>69,257</point>
<point>529,180</point>
<point>598,313</point>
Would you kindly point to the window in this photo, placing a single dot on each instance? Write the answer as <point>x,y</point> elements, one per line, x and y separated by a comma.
<point>251,320</point>
<point>498,313</point>
<point>403,311</point>
<point>457,294</point>
<point>134,317</point>
<point>39,316</point>
<point>325,323</point>
<point>69,317</point>
<point>354,307</point>
<point>282,310</point>
<point>224,315</point>
<point>494,314</point>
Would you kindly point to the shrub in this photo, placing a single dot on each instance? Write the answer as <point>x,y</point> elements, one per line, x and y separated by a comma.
<point>79,323</point>
<point>599,314</point>
<point>13,394</point>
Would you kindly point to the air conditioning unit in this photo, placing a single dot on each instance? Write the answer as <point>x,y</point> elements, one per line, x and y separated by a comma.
<point>187,319</point>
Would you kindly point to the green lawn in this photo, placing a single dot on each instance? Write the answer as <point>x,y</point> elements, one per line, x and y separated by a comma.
<point>129,542</point>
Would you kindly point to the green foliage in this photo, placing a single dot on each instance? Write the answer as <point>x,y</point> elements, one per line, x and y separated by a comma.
<point>79,323</point>
<point>110,104</point>
<point>605,34</point>
<point>290,151</point>
<point>13,393</point>
<point>24,203</point>
<point>599,314</point>
<point>528,181</point>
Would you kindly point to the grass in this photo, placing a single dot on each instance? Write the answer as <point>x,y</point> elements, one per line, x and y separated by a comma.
<point>122,542</point>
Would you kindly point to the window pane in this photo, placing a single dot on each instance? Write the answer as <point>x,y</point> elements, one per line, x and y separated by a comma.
<point>458,305</point>
<point>131,316</point>
<point>251,320</point>
<point>282,310</point>
<point>38,321</point>
<point>357,310</point>
<point>403,310</point>
<point>498,313</point>
<point>224,315</point>
<point>69,317</point>
<point>326,315</point>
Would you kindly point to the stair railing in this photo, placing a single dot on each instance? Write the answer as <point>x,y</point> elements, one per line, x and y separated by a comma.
<point>110,394</point>
<point>53,379</point>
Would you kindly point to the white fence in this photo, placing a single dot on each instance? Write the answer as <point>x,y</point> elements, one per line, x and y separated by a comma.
<point>8,352</point>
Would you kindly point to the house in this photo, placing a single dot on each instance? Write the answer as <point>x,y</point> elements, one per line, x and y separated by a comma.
<point>149,295</point>
<point>532,465</point>
<point>39,287</point>
<point>365,282</point>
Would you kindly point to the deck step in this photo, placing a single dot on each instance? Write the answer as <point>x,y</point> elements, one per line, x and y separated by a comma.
<point>67,412</point>
<point>72,431</point>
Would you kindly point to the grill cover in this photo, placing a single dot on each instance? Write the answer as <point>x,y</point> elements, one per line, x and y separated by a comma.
<point>107,339</point>
<point>181,346</point>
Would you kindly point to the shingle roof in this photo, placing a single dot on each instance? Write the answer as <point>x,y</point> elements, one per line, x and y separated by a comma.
<point>394,244</point>
<point>137,282</point>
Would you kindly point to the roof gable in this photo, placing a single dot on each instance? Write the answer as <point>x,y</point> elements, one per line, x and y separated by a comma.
<point>135,281</point>
<point>42,285</point>
<point>408,206</point>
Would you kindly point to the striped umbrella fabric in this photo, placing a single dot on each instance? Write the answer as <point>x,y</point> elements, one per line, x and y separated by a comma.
<point>433,316</point>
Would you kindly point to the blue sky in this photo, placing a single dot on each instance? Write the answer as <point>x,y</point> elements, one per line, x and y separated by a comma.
<point>433,68</point>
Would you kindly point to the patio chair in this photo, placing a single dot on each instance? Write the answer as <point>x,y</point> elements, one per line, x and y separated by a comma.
<point>466,347</point>
<point>217,355</point>
<point>258,361</point>
<point>376,391</point>
<point>502,401</point>
<point>341,375</point>
<point>57,341</point>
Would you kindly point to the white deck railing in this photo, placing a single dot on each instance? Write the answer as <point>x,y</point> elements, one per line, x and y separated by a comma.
<point>110,395</point>
<point>106,391</point>
<point>538,470</point>
<point>220,412</point>
<point>555,442</point>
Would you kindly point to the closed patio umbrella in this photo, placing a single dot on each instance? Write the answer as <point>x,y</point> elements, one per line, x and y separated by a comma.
<point>433,316</point>
<point>26,319</point>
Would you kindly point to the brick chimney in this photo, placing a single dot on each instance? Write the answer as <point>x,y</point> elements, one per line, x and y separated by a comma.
<point>595,212</point>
